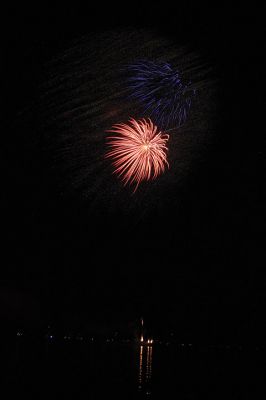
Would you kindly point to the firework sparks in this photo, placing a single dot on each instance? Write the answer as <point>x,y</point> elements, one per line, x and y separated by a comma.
<point>138,151</point>
<point>161,92</point>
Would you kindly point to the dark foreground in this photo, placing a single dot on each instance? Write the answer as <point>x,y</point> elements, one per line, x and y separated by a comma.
<point>84,370</point>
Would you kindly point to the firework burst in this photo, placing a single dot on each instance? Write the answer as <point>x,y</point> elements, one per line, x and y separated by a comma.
<point>161,92</point>
<point>138,151</point>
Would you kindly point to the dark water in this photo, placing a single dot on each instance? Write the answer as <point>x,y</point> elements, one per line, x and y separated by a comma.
<point>82,370</point>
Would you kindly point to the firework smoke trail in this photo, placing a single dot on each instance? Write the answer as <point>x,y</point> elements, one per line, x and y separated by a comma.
<point>161,92</point>
<point>138,151</point>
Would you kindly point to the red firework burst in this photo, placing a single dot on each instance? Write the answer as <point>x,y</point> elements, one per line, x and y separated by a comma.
<point>138,151</point>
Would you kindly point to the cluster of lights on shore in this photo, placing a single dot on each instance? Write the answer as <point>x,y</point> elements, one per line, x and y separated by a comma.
<point>142,340</point>
<point>149,341</point>
<point>20,333</point>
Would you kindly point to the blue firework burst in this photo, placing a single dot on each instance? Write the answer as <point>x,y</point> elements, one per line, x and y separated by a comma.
<point>159,89</point>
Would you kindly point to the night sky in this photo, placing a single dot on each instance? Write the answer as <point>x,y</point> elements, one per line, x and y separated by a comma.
<point>185,251</point>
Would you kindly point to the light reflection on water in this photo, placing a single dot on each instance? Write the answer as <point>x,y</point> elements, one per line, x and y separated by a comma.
<point>140,367</point>
<point>145,369</point>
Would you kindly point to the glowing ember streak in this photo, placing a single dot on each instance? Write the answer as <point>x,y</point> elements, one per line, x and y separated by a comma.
<point>138,151</point>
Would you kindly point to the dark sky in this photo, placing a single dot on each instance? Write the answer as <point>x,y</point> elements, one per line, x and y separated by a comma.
<point>195,255</point>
